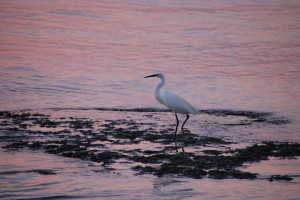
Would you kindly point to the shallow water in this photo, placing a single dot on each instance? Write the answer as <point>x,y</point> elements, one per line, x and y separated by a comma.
<point>37,174</point>
<point>220,55</point>
<point>80,180</point>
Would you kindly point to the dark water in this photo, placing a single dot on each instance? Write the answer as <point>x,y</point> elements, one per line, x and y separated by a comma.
<point>232,55</point>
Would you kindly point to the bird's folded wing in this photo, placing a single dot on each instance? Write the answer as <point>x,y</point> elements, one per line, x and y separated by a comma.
<point>177,103</point>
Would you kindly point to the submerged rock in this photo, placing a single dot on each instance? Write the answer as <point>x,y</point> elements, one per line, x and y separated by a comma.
<point>280,177</point>
<point>106,157</point>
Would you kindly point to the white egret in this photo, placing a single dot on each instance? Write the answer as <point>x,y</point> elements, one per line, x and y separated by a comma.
<point>172,101</point>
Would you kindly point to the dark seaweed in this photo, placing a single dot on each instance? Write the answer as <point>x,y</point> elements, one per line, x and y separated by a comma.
<point>78,138</point>
<point>280,177</point>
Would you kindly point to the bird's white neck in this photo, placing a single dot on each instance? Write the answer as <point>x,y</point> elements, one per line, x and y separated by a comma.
<point>157,90</point>
<point>160,85</point>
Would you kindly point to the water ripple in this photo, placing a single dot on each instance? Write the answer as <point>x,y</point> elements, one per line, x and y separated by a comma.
<point>78,14</point>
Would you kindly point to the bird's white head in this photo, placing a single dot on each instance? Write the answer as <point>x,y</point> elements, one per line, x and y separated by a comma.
<point>159,75</point>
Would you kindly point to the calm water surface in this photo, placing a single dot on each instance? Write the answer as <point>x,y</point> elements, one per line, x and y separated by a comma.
<point>222,54</point>
<point>241,55</point>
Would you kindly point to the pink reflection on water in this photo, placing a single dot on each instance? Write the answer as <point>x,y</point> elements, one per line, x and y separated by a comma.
<point>275,166</point>
<point>239,55</point>
<point>74,178</point>
<point>95,54</point>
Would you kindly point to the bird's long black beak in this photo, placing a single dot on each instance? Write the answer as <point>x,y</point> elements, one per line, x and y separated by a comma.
<point>153,75</point>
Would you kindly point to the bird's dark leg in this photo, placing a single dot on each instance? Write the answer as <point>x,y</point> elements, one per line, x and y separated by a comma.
<point>187,117</point>
<point>177,124</point>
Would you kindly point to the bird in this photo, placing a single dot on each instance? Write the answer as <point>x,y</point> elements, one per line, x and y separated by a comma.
<point>172,101</point>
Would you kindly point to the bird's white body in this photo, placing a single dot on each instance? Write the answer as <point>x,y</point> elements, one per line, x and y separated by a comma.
<point>176,103</point>
<point>172,101</point>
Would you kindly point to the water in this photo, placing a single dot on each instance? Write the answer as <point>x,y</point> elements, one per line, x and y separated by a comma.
<point>237,55</point>
<point>79,179</point>
<point>219,55</point>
